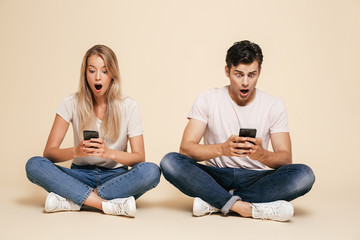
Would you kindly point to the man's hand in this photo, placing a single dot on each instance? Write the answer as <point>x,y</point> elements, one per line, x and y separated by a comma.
<point>236,146</point>
<point>256,150</point>
<point>282,150</point>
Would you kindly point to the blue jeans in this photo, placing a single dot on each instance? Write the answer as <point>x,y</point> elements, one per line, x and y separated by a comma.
<point>78,182</point>
<point>222,187</point>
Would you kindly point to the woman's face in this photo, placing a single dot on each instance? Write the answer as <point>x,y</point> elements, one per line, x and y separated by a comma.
<point>97,75</point>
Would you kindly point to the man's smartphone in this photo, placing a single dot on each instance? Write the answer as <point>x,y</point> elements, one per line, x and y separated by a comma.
<point>90,134</point>
<point>248,132</point>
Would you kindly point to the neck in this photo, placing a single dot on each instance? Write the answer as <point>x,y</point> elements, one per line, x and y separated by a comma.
<point>100,100</point>
<point>242,102</point>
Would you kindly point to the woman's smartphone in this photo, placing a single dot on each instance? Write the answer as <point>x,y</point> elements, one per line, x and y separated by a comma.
<point>90,134</point>
<point>247,132</point>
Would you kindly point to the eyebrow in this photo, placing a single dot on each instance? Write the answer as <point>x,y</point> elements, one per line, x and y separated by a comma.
<point>243,72</point>
<point>95,67</point>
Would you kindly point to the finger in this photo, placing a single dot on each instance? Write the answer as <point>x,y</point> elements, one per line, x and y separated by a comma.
<point>238,151</point>
<point>239,154</point>
<point>90,149</point>
<point>242,139</point>
<point>94,145</point>
<point>233,138</point>
<point>245,145</point>
<point>98,140</point>
<point>253,141</point>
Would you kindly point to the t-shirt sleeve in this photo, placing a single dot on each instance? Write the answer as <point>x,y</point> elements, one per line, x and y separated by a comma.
<point>200,110</point>
<point>134,123</point>
<point>278,118</point>
<point>66,109</point>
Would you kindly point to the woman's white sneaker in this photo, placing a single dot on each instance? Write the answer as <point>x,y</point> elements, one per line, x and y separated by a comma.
<point>120,206</point>
<point>200,208</point>
<point>56,203</point>
<point>278,210</point>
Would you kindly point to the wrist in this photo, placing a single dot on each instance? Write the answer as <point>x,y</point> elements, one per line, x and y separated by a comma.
<point>221,151</point>
<point>110,154</point>
<point>74,154</point>
<point>263,156</point>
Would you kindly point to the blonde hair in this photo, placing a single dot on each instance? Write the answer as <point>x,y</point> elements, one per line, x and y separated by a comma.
<point>110,126</point>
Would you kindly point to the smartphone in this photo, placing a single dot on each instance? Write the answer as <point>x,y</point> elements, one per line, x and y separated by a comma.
<point>90,134</point>
<point>247,132</point>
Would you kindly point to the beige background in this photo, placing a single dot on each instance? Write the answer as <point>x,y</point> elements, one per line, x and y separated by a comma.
<point>169,52</point>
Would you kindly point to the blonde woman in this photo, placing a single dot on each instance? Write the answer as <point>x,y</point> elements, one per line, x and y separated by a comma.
<point>99,175</point>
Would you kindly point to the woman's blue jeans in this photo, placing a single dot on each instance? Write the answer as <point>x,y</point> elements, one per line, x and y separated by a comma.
<point>78,182</point>
<point>222,187</point>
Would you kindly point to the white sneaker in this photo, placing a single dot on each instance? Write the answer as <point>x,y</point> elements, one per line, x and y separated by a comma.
<point>278,210</point>
<point>120,206</point>
<point>200,208</point>
<point>56,203</point>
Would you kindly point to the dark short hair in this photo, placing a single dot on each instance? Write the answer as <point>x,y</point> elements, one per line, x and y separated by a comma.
<point>244,52</point>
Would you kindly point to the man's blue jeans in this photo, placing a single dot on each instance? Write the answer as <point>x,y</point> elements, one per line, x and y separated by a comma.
<point>78,182</point>
<point>222,187</point>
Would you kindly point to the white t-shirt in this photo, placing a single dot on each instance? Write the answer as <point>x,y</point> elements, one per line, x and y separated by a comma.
<point>130,126</point>
<point>223,118</point>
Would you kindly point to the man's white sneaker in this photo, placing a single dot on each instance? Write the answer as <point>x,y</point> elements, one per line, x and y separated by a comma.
<point>200,208</point>
<point>56,203</point>
<point>278,210</point>
<point>120,206</point>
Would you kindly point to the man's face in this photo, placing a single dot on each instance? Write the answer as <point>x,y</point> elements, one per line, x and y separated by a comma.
<point>243,80</point>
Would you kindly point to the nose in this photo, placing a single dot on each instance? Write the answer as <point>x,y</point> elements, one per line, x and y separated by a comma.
<point>245,81</point>
<point>98,75</point>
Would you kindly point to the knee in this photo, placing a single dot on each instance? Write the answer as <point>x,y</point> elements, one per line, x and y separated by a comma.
<point>169,162</point>
<point>305,177</point>
<point>34,164</point>
<point>153,172</point>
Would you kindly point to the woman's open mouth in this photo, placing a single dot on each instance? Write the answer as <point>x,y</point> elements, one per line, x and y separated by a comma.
<point>98,87</point>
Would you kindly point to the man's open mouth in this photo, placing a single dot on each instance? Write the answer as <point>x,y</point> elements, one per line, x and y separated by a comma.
<point>244,91</point>
<point>98,86</point>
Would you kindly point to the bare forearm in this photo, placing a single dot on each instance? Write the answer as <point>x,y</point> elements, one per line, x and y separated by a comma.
<point>126,158</point>
<point>59,155</point>
<point>275,159</point>
<point>201,152</point>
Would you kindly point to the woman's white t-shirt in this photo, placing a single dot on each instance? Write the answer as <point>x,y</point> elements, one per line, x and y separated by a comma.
<point>130,126</point>
<point>223,118</point>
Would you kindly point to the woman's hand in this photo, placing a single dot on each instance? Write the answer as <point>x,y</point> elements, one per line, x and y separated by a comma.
<point>96,147</point>
<point>80,150</point>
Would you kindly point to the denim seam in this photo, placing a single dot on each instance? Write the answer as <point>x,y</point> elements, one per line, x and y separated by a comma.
<point>86,195</point>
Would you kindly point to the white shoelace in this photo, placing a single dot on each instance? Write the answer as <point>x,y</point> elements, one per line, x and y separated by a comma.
<point>266,211</point>
<point>212,209</point>
<point>119,208</point>
<point>63,203</point>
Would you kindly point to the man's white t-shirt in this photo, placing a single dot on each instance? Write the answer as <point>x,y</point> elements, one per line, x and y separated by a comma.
<point>223,118</point>
<point>130,126</point>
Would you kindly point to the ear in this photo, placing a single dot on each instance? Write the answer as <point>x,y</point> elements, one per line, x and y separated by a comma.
<point>227,71</point>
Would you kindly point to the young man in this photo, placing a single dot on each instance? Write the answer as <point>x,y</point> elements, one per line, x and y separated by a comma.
<point>240,174</point>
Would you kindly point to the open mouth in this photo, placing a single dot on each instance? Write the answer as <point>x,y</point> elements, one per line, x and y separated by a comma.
<point>244,91</point>
<point>98,86</point>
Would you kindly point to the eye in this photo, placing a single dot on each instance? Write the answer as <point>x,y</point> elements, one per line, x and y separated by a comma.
<point>91,71</point>
<point>238,75</point>
<point>105,72</point>
<point>251,75</point>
